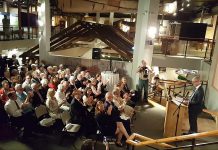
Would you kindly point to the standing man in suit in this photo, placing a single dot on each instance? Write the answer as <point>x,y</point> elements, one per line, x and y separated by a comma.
<point>195,104</point>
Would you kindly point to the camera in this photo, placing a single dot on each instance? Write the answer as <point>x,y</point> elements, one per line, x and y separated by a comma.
<point>145,75</point>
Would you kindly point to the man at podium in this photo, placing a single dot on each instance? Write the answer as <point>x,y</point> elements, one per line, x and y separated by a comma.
<point>195,104</point>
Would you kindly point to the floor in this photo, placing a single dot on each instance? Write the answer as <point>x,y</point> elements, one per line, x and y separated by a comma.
<point>149,122</point>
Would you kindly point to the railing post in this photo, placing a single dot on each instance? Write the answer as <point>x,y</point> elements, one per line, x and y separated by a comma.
<point>184,90</point>
<point>186,47</point>
<point>161,92</point>
<point>169,90</point>
<point>205,55</point>
<point>129,146</point>
<point>193,144</point>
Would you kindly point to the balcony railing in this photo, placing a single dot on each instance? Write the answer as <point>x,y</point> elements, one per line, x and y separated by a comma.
<point>175,47</point>
<point>13,33</point>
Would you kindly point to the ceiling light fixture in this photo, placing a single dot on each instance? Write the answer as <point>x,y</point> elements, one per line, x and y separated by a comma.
<point>188,5</point>
<point>170,7</point>
<point>181,9</point>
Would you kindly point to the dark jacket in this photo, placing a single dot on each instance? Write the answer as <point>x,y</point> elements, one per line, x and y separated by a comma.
<point>36,100</point>
<point>197,100</point>
<point>78,112</point>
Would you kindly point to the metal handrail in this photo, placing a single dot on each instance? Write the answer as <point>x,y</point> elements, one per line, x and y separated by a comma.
<point>14,31</point>
<point>175,84</point>
<point>169,40</point>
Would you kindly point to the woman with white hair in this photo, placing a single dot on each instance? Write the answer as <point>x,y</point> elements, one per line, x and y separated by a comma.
<point>53,105</point>
<point>44,88</point>
<point>60,96</point>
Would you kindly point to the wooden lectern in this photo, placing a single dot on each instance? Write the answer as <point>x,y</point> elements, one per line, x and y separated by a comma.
<point>172,118</point>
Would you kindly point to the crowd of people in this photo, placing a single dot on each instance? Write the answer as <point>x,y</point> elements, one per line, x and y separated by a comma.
<point>81,94</point>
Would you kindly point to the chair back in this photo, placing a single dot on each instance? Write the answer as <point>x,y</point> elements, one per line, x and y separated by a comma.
<point>65,117</point>
<point>41,111</point>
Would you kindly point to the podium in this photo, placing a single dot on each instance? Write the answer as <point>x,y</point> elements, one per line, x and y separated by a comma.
<point>172,119</point>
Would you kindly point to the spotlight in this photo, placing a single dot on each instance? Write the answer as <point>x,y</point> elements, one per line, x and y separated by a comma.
<point>181,9</point>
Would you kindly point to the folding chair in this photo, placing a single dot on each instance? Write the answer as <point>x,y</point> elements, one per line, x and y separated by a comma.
<point>70,129</point>
<point>43,117</point>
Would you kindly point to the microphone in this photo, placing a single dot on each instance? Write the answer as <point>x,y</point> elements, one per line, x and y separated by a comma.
<point>187,94</point>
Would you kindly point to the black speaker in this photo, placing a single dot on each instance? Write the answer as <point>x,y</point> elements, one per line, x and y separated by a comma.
<point>96,53</point>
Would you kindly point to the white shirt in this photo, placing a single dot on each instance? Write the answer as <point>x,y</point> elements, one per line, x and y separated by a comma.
<point>60,96</point>
<point>11,108</point>
<point>197,87</point>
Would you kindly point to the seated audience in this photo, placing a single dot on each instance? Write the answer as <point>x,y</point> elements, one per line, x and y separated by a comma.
<point>53,83</point>
<point>53,105</point>
<point>77,109</point>
<point>125,89</point>
<point>126,111</point>
<point>96,89</point>
<point>78,81</point>
<point>27,84</point>
<point>35,77</point>
<point>25,98</point>
<point>37,98</point>
<point>109,125</point>
<point>44,88</point>
<point>14,108</point>
<point>4,91</point>
<point>60,96</point>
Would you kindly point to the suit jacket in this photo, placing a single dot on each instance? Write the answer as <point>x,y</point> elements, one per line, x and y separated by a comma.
<point>36,100</point>
<point>197,100</point>
<point>77,112</point>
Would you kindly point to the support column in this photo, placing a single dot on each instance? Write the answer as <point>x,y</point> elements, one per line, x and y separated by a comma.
<point>19,19</point>
<point>44,30</point>
<point>111,18</point>
<point>98,17</point>
<point>147,16</point>
<point>6,7</point>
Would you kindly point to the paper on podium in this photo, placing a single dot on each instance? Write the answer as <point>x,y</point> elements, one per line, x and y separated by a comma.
<point>178,100</point>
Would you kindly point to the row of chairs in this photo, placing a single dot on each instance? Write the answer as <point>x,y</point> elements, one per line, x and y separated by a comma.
<point>46,121</point>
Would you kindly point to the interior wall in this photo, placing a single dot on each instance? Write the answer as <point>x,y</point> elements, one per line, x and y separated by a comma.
<point>4,45</point>
<point>176,62</point>
<point>212,93</point>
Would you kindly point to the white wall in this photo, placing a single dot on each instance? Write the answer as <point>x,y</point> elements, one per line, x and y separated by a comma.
<point>4,45</point>
<point>212,93</point>
<point>176,62</point>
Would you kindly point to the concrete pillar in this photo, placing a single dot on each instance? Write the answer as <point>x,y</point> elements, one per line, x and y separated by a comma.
<point>98,17</point>
<point>6,7</point>
<point>147,16</point>
<point>111,18</point>
<point>44,30</point>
